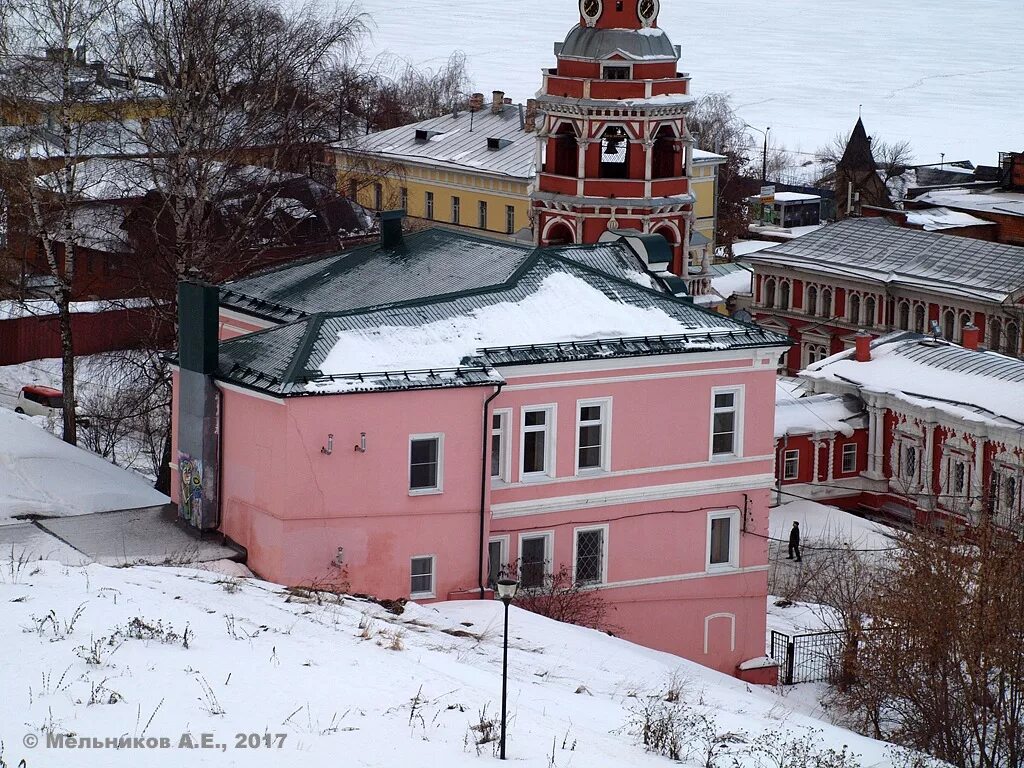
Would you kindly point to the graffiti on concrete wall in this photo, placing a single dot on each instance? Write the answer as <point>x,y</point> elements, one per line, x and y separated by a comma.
<point>191,473</point>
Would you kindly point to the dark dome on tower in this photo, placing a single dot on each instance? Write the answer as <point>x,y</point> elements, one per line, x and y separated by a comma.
<point>597,43</point>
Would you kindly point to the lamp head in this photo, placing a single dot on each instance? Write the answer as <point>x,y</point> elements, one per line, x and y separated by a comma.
<point>507,589</point>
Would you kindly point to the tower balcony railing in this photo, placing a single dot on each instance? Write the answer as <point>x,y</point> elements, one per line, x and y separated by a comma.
<point>625,188</point>
<point>613,90</point>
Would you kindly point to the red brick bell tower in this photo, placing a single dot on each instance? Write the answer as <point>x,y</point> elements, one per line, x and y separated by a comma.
<point>613,147</point>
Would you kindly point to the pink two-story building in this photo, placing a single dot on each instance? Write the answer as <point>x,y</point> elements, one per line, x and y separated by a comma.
<point>419,414</point>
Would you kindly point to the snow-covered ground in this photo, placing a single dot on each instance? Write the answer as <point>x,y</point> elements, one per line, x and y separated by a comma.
<point>101,653</point>
<point>42,475</point>
<point>831,525</point>
<point>943,74</point>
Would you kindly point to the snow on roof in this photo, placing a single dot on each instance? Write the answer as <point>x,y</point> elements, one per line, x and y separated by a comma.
<point>42,475</point>
<point>808,415</point>
<point>973,385</point>
<point>11,309</point>
<point>738,281</point>
<point>987,201</point>
<point>795,197</point>
<point>877,251</point>
<point>459,141</point>
<point>934,219</point>
<point>743,247</point>
<point>703,156</point>
<point>564,309</point>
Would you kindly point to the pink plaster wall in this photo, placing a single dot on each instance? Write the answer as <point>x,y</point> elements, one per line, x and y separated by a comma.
<point>292,507</point>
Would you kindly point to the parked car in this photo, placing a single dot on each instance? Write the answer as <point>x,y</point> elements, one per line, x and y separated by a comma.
<point>36,400</point>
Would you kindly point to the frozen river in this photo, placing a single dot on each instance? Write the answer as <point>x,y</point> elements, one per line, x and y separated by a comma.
<point>945,74</point>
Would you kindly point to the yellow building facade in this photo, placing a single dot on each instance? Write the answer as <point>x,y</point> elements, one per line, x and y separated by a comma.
<point>475,169</point>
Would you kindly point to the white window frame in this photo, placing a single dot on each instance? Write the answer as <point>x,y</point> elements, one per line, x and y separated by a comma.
<point>510,219</point>
<point>617,64</point>
<point>456,209</point>
<point>550,452</point>
<point>549,550</point>
<point>428,205</point>
<point>605,404</point>
<point>813,349</point>
<point>439,487</point>
<point>482,214</point>
<point>737,445</point>
<point>785,464</point>
<point>504,541</point>
<point>604,552</point>
<point>505,459</point>
<point>845,454</point>
<point>433,578</point>
<point>734,541</point>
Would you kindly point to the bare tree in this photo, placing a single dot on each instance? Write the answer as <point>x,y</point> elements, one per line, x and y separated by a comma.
<point>50,89</point>
<point>558,597</point>
<point>717,128</point>
<point>892,157</point>
<point>942,670</point>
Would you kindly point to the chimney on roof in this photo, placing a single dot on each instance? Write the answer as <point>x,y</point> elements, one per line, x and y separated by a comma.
<point>497,102</point>
<point>530,119</point>
<point>391,228</point>
<point>863,349</point>
<point>476,102</point>
<point>971,336</point>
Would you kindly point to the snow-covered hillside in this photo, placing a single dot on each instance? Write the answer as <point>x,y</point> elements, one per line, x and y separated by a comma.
<point>942,73</point>
<point>101,653</point>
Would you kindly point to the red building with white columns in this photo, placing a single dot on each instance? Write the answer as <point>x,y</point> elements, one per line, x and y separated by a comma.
<point>613,149</point>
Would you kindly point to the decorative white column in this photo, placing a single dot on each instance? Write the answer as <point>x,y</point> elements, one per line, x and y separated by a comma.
<point>830,445</point>
<point>976,476</point>
<point>817,460</point>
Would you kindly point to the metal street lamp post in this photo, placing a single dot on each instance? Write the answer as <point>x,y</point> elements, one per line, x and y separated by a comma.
<point>764,155</point>
<point>507,589</point>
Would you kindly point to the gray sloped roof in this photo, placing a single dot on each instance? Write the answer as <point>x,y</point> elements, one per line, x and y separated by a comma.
<point>460,142</point>
<point>289,359</point>
<point>875,250</point>
<point>596,43</point>
<point>429,263</point>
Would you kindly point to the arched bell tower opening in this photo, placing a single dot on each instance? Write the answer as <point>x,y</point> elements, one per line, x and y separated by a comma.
<point>612,138</point>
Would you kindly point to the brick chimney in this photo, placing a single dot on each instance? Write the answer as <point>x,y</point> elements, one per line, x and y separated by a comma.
<point>497,102</point>
<point>971,337</point>
<point>863,349</point>
<point>476,102</point>
<point>530,119</point>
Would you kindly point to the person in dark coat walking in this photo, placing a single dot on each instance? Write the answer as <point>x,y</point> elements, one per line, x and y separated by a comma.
<point>794,543</point>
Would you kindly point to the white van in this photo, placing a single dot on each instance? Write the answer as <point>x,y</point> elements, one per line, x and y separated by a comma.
<point>35,400</point>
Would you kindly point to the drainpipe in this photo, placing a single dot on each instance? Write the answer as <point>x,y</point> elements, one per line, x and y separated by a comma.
<point>485,476</point>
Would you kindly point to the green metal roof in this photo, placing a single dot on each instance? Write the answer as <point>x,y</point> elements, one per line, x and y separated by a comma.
<point>287,360</point>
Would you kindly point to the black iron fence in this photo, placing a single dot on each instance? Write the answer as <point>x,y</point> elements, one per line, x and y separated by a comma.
<point>807,658</point>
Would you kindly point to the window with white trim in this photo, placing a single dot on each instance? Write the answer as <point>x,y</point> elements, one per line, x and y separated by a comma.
<point>456,209</point>
<point>426,463</point>
<point>725,422</point>
<point>908,463</point>
<point>538,442</point>
<point>589,555</point>
<point>428,205</point>
<point>814,353</point>
<point>499,444</point>
<point>510,219</point>
<point>534,559</point>
<point>1005,493</point>
<point>791,465</point>
<point>723,540</point>
<point>592,434</point>
<point>481,214</point>
<point>849,458</point>
<point>497,559</point>
<point>422,577</point>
